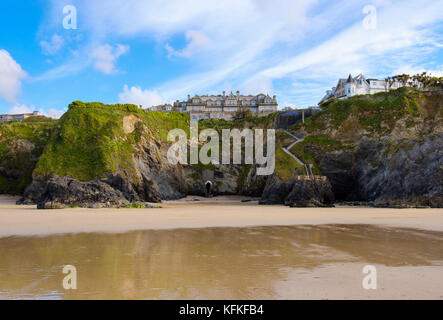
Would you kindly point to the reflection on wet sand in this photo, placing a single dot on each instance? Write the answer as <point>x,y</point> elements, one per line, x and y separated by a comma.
<point>219,263</point>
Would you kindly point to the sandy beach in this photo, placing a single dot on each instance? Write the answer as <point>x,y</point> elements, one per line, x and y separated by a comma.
<point>279,252</point>
<point>189,213</point>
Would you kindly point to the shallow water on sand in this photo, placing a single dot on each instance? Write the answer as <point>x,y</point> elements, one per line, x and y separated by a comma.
<point>214,263</point>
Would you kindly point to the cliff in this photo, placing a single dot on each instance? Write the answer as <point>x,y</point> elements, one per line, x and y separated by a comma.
<point>21,145</point>
<point>100,155</point>
<point>385,149</point>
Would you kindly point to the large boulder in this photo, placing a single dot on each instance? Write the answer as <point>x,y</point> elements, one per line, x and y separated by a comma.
<point>276,190</point>
<point>300,191</point>
<point>60,192</point>
<point>310,192</point>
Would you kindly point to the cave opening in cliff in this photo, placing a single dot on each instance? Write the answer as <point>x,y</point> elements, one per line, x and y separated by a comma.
<point>208,187</point>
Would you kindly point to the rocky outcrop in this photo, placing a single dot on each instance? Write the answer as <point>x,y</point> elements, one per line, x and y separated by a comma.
<point>16,165</point>
<point>60,192</point>
<point>338,167</point>
<point>300,191</point>
<point>310,192</point>
<point>410,173</point>
<point>386,150</point>
<point>401,174</point>
<point>276,190</point>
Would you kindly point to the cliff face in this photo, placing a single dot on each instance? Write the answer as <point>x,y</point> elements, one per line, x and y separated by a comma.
<point>386,148</point>
<point>21,144</point>
<point>110,155</point>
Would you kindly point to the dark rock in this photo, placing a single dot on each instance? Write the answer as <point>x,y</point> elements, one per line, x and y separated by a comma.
<point>409,176</point>
<point>308,192</point>
<point>338,167</point>
<point>61,192</point>
<point>300,191</point>
<point>276,190</point>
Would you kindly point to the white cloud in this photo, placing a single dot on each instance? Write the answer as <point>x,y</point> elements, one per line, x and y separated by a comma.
<point>105,57</point>
<point>136,95</point>
<point>11,74</point>
<point>220,30</point>
<point>354,46</point>
<point>52,47</point>
<point>20,108</point>
<point>54,113</point>
<point>238,42</point>
<point>197,41</point>
<point>258,85</point>
<point>412,70</point>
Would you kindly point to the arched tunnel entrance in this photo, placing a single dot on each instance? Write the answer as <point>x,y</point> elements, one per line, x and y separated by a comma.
<point>208,188</point>
<point>208,178</point>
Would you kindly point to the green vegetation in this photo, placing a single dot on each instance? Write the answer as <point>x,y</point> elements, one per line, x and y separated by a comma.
<point>285,165</point>
<point>90,140</point>
<point>21,144</point>
<point>376,113</point>
<point>39,119</point>
<point>323,145</point>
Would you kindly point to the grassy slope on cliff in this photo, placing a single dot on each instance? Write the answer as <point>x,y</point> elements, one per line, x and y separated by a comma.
<point>342,123</point>
<point>21,144</point>
<point>90,140</point>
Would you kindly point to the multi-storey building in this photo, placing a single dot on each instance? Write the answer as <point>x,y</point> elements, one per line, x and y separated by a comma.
<point>18,117</point>
<point>225,106</point>
<point>359,85</point>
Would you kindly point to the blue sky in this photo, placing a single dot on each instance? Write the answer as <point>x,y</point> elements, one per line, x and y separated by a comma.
<point>155,51</point>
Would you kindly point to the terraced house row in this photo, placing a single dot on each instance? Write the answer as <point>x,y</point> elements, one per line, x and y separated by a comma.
<point>225,106</point>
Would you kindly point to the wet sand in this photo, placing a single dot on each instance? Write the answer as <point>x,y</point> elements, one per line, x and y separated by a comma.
<point>220,248</point>
<point>286,262</point>
<point>213,212</point>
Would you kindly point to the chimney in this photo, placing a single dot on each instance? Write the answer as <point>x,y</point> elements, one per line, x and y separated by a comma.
<point>224,93</point>
<point>189,97</point>
<point>238,93</point>
<point>274,98</point>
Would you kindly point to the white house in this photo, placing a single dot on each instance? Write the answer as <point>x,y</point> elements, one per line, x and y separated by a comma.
<point>18,117</point>
<point>359,85</point>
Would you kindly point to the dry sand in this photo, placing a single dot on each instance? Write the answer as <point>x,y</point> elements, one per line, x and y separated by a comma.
<point>213,212</point>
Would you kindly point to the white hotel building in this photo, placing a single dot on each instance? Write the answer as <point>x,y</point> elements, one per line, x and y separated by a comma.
<point>359,85</point>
